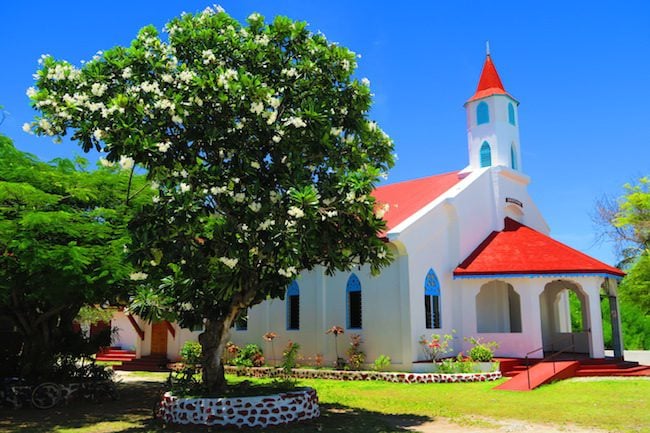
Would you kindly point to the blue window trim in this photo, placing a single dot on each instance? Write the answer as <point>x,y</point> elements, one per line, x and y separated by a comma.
<point>432,288</point>
<point>292,290</point>
<point>353,285</point>
<point>482,113</point>
<point>486,154</point>
<point>513,157</point>
<point>431,284</point>
<point>511,114</point>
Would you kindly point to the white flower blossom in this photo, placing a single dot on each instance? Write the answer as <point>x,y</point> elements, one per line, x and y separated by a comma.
<point>345,64</point>
<point>231,263</point>
<point>274,196</point>
<point>273,115</point>
<point>254,16</point>
<point>257,107</point>
<point>177,119</point>
<point>184,187</point>
<point>381,254</point>
<point>255,206</point>
<point>167,78</point>
<point>266,224</point>
<point>155,199</point>
<point>255,165</point>
<point>163,147</point>
<point>217,190</point>
<point>138,276</point>
<point>31,92</point>
<point>372,126</point>
<point>276,138</point>
<point>331,213</point>
<point>98,89</point>
<point>27,127</point>
<point>262,40</point>
<point>297,122</point>
<point>208,57</point>
<point>106,163</point>
<point>296,212</point>
<point>98,134</point>
<point>274,102</point>
<point>239,197</point>
<point>381,211</point>
<point>288,272</point>
<point>365,82</point>
<point>155,185</point>
<point>336,131</point>
<point>126,162</point>
<point>127,73</point>
<point>186,76</point>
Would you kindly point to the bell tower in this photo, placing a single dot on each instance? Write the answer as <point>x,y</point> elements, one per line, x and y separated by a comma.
<point>492,123</point>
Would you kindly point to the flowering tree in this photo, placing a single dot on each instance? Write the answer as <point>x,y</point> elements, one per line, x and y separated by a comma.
<point>257,140</point>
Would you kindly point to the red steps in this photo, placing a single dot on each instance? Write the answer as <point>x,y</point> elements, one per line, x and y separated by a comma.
<point>516,370</point>
<point>114,354</point>
<point>145,363</point>
<point>129,362</point>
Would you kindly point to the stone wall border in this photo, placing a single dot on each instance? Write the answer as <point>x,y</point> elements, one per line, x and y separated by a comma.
<point>387,376</point>
<point>259,411</point>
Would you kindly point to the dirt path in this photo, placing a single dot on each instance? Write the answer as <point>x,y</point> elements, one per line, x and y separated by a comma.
<point>486,425</point>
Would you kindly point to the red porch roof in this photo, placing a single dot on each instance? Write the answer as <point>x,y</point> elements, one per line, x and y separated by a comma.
<point>520,250</point>
<point>406,198</point>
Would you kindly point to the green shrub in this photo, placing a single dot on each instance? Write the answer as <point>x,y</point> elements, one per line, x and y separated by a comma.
<point>481,352</point>
<point>382,363</point>
<point>289,356</point>
<point>191,353</point>
<point>250,355</point>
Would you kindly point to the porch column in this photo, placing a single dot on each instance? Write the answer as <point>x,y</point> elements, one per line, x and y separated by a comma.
<point>596,341</point>
<point>615,318</point>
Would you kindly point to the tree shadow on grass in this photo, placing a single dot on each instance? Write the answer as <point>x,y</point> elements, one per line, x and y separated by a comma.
<point>132,414</point>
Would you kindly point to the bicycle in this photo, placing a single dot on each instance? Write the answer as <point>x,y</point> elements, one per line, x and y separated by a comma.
<point>46,395</point>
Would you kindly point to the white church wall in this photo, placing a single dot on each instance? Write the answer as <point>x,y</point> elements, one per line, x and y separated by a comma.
<point>323,304</point>
<point>125,337</point>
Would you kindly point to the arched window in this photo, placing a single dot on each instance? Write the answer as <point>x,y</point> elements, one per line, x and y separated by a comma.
<point>293,306</point>
<point>353,294</point>
<point>486,155</point>
<point>511,114</point>
<point>431,301</point>
<point>482,113</point>
<point>513,157</point>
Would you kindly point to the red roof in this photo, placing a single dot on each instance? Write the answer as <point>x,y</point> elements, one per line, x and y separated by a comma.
<point>406,198</point>
<point>518,249</point>
<point>489,83</point>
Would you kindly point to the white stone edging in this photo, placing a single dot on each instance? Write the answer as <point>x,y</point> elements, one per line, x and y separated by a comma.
<point>259,411</point>
<point>264,372</point>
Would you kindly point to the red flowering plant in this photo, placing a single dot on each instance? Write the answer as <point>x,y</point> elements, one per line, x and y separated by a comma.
<point>270,336</point>
<point>336,331</point>
<point>437,347</point>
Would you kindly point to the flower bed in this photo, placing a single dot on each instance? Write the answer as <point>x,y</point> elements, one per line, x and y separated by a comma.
<point>260,411</point>
<point>270,372</point>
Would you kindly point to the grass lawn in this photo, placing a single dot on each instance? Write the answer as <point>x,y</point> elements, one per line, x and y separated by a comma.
<point>369,407</point>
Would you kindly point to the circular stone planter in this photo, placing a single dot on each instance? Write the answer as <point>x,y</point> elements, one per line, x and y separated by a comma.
<point>260,411</point>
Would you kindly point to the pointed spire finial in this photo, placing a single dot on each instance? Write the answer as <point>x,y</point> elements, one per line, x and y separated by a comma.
<point>487,48</point>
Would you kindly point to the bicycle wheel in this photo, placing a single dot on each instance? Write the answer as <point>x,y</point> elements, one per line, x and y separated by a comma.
<point>46,395</point>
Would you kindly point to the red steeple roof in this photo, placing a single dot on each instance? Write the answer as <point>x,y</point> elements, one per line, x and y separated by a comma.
<point>520,250</point>
<point>489,83</point>
<point>406,198</point>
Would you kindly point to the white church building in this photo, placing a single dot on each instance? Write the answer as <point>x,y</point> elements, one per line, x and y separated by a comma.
<point>472,255</point>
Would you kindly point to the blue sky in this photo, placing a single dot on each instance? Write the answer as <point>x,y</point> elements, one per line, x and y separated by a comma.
<point>581,71</point>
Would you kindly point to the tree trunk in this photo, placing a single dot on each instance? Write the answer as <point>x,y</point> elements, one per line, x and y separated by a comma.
<point>213,341</point>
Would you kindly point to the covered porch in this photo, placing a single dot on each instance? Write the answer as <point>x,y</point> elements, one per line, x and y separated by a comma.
<point>518,287</point>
